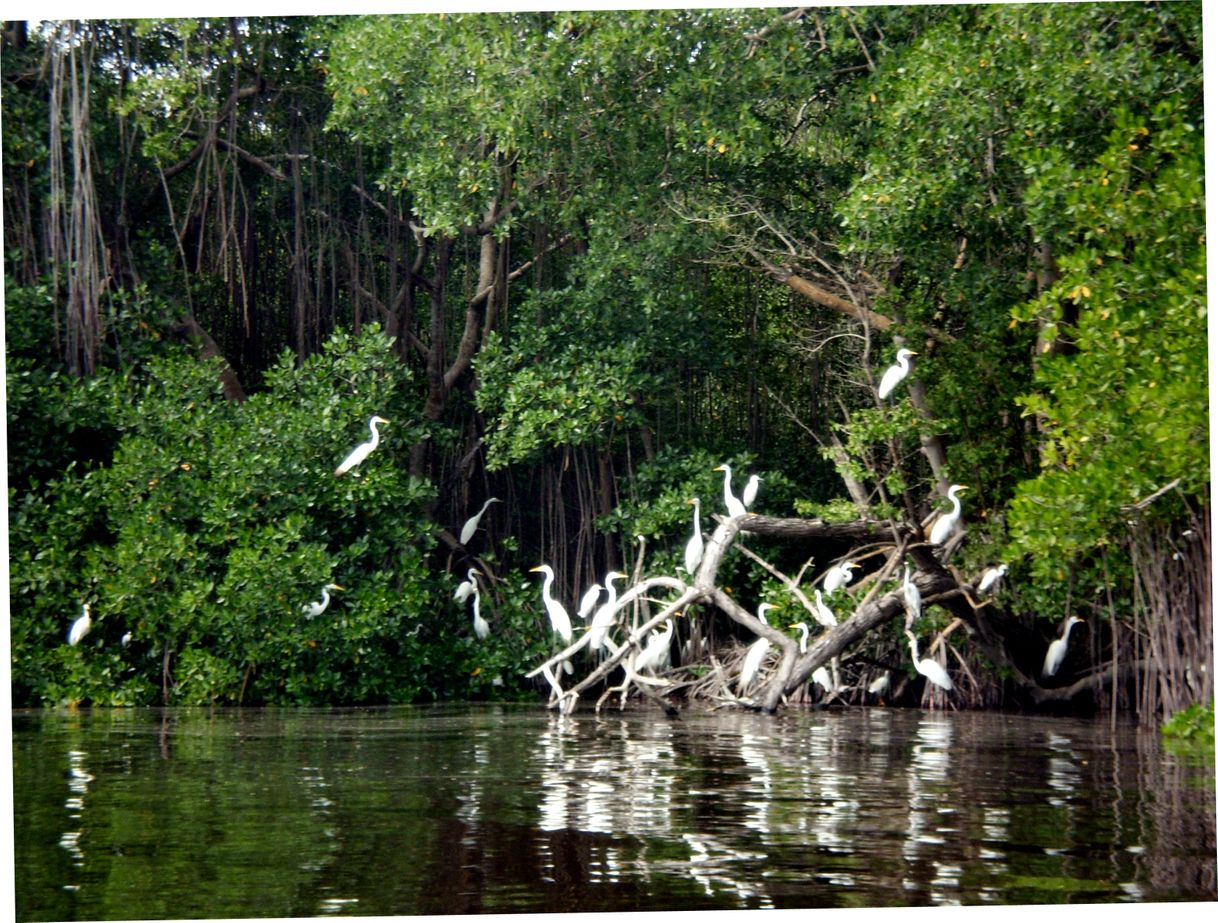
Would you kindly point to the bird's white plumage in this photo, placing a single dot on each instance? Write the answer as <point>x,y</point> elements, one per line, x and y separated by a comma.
<point>927,667</point>
<point>694,547</point>
<point>656,651</point>
<point>591,595</point>
<point>945,525</point>
<point>838,576</point>
<point>991,577</point>
<point>363,450</point>
<point>471,524</point>
<point>314,609</point>
<point>755,655</point>
<point>749,494</point>
<point>1057,650</point>
<point>606,615</point>
<point>482,628</point>
<point>560,621</point>
<point>80,627</point>
<point>820,676</point>
<point>803,636</point>
<point>824,614</point>
<point>895,374</point>
<point>879,685</point>
<point>730,500</point>
<point>465,587</point>
<point>913,598</point>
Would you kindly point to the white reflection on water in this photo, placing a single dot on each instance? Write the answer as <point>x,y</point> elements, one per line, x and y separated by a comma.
<point>926,782</point>
<point>78,785</point>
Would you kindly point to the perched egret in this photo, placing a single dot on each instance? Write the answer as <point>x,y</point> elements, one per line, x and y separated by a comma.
<point>824,614</point>
<point>693,548</point>
<point>945,525</point>
<point>313,610</point>
<point>756,654</point>
<point>913,598</point>
<point>606,614</point>
<point>656,651</point>
<point>730,500</point>
<point>471,524</point>
<point>559,620</point>
<point>482,628</point>
<point>991,577</point>
<point>838,576</point>
<point>895,374</point>
<point>803,636</point>
<point>820,676</point>
<point>928,668</point>
<point>125,640</point>
<point>591,595</point>
<point>879,685</point>
<point>465,587</point>
<point>750,491</point>
<point>363,450</point>
<point>80,627</point>
<point>1057,650</point>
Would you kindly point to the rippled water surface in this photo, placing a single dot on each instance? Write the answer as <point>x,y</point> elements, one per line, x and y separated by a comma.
<point>245,813</point>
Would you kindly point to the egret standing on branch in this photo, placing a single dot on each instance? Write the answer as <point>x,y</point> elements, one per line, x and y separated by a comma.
<point>991,577</point>
<point>730,500</point>
<point>80,627</point>
<point>913,599</point>
<point>363,450</point>
<point>750,491</point>
<point>945,525</point>
<point>313,610</point>
<point>895,374</point>
<point>559,620</point>
<point>838,576</point>
<point>591,595</point>
<point>656,651</point>
<point>605,615</point>
<point>465,587</point>
<point>928,668</point>
<point>482,628</point>
<point>824,614</point>
<point>756,654</point>
<point>693,548</point>
<point>471,524</point>
<point>1057,650</point>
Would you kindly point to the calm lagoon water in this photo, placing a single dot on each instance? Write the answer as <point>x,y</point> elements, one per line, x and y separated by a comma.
<point>146,814</point>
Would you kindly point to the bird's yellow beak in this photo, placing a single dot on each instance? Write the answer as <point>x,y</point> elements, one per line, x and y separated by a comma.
<point>337,587</point>
<point>533,570</point>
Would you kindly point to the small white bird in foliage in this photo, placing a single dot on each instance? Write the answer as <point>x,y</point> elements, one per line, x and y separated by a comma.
<point>80,627</point>
<point>694,547</point>
<point>471,524</point>
<point>586,604</point>
<point>125,640</point>
<point>945,525</point>
<point>314,609</point>
<point>730,500</point>
<point>927,667</point>
<point>465,587</point>
<point>755,655</point>
<point>482,628</point>
<point>991,577</point>
<point>895,374</point>
<point>1057,650</point>
<point>824,614</point>
<point>913,598</point>
<point>750,491</point>
<point>363,450</point>
<point>879,685</point>
<point>838,576</point>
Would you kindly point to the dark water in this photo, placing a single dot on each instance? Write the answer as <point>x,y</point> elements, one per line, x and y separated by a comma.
<point>143,814</point>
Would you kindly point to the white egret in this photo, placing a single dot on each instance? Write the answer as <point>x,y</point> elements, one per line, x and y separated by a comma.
<point>838,576</point>
<point>465,587</point>
<point>730,500</point>
<point>1057,650</point>
<point>945,525</point>
<point>363,450</point>
<point>991,577</point>
<point>824,614</point>
<point>820,676</point>
<point>895,374</point>
<point>693,548</point>
<point>559,620</point>
<point>803,636</point>
<point>913,598</point>
<point>80,627</point>
<point>125,640</point>
<point>471,524</point>
<point>606,614</point>
<point>655,653</point>
<point>591,595</point>
<point>927,667</point>
<point>313,610</point>
<point>756,654</point>
<point>482,628</point>
<point>750,491</point>
<point>879,685</point>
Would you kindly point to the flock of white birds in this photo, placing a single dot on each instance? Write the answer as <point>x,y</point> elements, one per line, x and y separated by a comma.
<point>656,652</point>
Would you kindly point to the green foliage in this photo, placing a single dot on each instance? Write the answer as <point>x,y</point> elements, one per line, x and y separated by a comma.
<point>1190,732</point>
<point>214,523</point>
